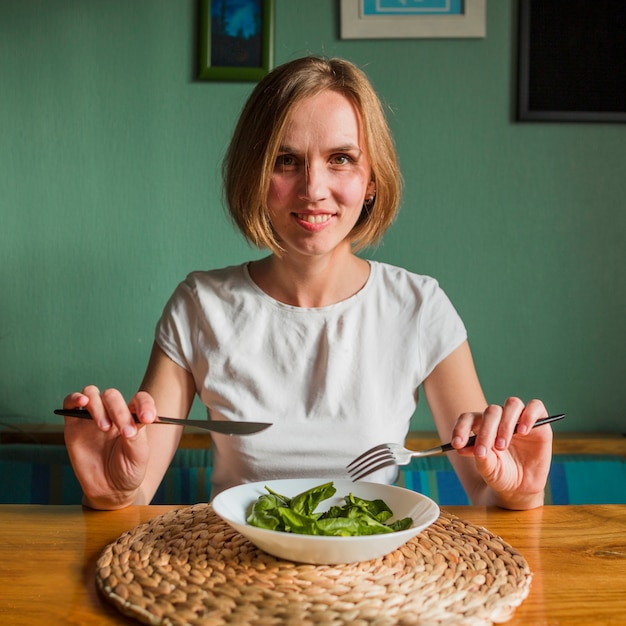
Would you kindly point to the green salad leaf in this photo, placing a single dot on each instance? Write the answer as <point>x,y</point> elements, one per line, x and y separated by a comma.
<point>357,516</point>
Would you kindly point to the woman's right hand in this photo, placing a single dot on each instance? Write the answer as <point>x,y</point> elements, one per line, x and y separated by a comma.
<point>109,453</point>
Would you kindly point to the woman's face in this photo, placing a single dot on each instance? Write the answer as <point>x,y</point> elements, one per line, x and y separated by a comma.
<point>321,177</point>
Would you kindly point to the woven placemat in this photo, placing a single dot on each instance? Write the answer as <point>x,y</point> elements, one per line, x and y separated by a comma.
<point>189,567</point>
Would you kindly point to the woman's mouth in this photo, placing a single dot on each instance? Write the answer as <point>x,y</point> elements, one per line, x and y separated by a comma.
<point>314,218</point>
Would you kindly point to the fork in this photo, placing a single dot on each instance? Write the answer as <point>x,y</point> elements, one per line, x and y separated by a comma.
<point>387,454</point>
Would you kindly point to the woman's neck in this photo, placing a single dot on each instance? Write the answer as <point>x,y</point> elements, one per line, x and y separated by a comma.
<point>311,284</point>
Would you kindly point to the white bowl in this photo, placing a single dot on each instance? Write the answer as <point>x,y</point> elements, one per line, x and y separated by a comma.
<point>233,506</point>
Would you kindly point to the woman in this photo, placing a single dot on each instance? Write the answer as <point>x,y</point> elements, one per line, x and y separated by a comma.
<point>329,347</point>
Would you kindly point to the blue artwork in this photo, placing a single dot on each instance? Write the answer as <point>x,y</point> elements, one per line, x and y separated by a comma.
<point>413,7</point>
<point>236,33</point>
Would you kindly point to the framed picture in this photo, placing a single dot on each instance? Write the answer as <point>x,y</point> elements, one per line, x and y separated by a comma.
<point>572,61</point>
<point>236,39</point>
<point>407,19</point>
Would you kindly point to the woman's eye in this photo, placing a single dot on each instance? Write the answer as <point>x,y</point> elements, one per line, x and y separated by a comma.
<point>285,160</point>
<point>341,159</point>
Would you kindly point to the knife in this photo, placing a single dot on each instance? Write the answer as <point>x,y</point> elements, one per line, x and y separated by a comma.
<point>226,427</point>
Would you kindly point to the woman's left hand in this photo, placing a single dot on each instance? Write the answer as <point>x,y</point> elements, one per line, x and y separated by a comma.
<point>514,466</point>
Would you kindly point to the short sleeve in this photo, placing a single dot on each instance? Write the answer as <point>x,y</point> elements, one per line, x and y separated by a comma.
<point>177,326</point>
<point>441,329</point>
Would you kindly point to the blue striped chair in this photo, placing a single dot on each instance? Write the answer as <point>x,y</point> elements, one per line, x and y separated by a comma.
<point>573,479</point>
<point>42,474</point>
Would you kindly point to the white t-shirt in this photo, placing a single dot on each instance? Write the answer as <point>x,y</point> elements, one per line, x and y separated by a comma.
<point>334,381</point>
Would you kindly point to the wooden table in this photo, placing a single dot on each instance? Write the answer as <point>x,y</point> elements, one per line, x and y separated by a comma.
<point>577,555</point>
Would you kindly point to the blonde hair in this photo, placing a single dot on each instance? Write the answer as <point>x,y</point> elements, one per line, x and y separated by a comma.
<point>250,158</point>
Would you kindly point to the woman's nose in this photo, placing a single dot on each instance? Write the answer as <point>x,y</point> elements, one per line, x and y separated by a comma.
<point>314,183</point>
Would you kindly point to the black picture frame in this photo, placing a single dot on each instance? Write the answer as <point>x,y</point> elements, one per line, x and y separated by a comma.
<point>241,51</point>
<point>571,61</point>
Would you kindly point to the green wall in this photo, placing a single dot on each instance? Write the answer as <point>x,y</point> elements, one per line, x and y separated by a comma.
<point>110,153</point>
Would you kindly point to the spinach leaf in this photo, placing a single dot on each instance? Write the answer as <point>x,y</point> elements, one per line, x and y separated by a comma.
<point>284,499</point>
<point>401,524</point>
<point>306,502</point>
<point>265,513</point>
<point>353,526</point>
<point>376,508</point>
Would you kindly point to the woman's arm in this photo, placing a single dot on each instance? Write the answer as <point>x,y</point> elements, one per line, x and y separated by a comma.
<point>499,469</point>
<point>172,389</point>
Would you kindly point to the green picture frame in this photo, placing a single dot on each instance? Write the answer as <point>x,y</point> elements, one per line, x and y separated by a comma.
<point>236,39</point>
